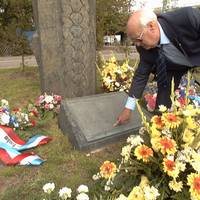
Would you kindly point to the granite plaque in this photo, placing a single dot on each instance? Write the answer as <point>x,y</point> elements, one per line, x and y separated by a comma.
<point>88,121</point>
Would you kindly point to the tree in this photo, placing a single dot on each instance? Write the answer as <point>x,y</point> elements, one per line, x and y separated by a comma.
<point>111,17</point>
<point>15,18</point>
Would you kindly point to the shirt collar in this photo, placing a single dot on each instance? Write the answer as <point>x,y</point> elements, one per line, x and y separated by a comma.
<point>163,38</point>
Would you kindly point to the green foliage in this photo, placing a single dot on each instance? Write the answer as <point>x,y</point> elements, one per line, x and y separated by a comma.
<point>111,17</point>
<point>15,18</point>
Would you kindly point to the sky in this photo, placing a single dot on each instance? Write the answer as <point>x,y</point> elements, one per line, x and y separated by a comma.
<point>158,3</point>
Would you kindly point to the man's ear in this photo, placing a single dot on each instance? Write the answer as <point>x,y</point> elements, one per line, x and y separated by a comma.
<point>151,25</point>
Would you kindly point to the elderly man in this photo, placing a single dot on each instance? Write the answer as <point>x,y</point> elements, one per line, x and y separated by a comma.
<point>151,33</point>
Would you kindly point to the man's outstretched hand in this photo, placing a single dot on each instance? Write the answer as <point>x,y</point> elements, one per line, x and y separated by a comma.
<point>124,117</point>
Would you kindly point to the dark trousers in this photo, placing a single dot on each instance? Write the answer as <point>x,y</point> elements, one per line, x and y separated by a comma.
<point>163,97</point>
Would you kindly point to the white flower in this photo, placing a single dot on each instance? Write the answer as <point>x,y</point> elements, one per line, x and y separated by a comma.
<point>96,176</point>
<point>135,140</point>
<point>51,106</point>
<point>83,189</point>
<point>4,103</point>
<point>5,119</point>
<point>162,108</point>
<point>117,84</point>
<point>48,99</point>
<point>49,187</point>
<point>65,193</point>
<point>107,188</point>
<point>82,196</point>
<point>126,150</point>
<point>122,197</point>
<point>150,193</point>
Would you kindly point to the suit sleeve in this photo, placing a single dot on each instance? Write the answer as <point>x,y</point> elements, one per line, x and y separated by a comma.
<point>140,79</point>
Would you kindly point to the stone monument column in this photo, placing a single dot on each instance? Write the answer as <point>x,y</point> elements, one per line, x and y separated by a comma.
<point>65,46</point>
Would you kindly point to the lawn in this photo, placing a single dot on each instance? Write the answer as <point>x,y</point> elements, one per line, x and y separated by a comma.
<point>65,166</point>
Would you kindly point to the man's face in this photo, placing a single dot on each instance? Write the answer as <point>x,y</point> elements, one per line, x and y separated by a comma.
<point>147,37</point>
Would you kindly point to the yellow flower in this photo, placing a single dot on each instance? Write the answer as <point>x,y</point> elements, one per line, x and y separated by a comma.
<point>171,120</point>
<point>188,136</point>
<point>154,132</point>
<point>136,194</point>
<point>173,168</point>
<point>143,152</point>
<point>144,182</point>
<point>194,183</point>
<point>113,59</point>
<point>190,123</point>
<point>167,145</point>
<point>169,166</point>
<point>108,169</point>
<point>176,186</point>
<point>157,121</point>
<point>190,111</point>
<point>154,143</point>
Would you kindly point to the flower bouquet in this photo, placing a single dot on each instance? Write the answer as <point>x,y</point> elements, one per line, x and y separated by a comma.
<point>161,162</point>
<point>15,118</point>
<point>116,77</point>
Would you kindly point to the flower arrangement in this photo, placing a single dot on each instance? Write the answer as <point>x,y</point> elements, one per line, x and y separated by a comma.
<point>151,95</point>
<point>66,193</point>
<point>22,119</point>
<point>46,103</point>
<point>161,162</point>
<point>116,77</point>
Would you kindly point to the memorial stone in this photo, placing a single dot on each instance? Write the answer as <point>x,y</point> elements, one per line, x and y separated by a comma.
<point>65,46</point>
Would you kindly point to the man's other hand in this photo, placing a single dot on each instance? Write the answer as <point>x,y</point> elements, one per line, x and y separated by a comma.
<point>124,117</point>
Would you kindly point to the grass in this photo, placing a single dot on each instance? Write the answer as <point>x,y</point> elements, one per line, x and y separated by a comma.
<point>65,166</point>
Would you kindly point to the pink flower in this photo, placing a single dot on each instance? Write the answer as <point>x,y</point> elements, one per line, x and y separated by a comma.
<point>47,106</point>
<point>151,101</point>
<point>57,98</point>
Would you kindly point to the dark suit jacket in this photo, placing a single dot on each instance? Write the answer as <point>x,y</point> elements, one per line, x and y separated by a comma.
<point>182,27</point>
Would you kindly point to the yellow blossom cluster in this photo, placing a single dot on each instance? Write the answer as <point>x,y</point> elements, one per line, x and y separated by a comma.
<point>116,77</point>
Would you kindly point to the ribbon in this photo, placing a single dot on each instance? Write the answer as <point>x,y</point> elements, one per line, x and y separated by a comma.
<point>11,145</point>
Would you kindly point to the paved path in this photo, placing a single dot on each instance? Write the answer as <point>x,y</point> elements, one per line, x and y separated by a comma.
<point>15,61</point>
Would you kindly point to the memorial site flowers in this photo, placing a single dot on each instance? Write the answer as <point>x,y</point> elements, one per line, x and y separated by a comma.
<point>162,161</point>
<point>116,77</point>
<point>19,118</point>
<point>65,193</point>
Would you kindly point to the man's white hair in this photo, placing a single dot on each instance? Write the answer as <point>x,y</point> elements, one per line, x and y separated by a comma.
<point>147,16</point>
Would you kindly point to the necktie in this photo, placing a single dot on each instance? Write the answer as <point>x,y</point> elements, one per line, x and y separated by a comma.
<point>161,69</point>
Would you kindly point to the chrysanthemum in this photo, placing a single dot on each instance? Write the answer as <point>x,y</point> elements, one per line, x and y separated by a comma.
<point>194,183</point>
<point>171,120</point>
<point>143,152</point>
<point>176,186</point>
<point>136,194</point>
<point>108,169</point>
<point>169,165</point>
<point>188,136</point>
<point>157,121</point>
<point>151,193</point>
<point>167,145</point>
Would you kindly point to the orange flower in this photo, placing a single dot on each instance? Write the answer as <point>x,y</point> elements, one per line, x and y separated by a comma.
<point>143,152</point>
<point>169,167</point>
<point>171,120</point>
<point>194,183</point>
<point>157,121</point>
<point>167,145</point>
<point>108,169</point>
